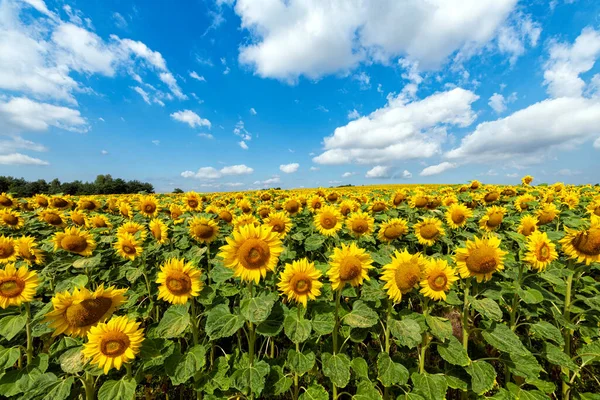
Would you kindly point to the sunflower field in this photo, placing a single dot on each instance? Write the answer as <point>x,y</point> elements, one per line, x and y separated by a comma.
<point>389,292</point>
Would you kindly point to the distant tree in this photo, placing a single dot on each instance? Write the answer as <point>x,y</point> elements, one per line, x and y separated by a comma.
<point>103,184</point>
<point>177,190</point>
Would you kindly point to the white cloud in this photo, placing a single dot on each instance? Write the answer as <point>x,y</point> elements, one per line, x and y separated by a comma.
<point>191,118</point>
<point>348,174</point>
<point>243,145</point>
<point>119,21</point>
<point>237,170</point>
<point>322,108</point>
<point>353,114</point>
<point>209,173</point>
<point>21,113</point>
<point>226,71</point>
<point>406,174</point>
<point>513,175</point>
<point>515,35</point>
<point>314,168</point>
<point>567,62</point>
<point>437,169</point>
<point>20,159</point>
<point>597,144</point>
<point>568,172</point>
<point>497,103</point>
<point>103,152</point>
<point>378,171</point>
<point>171,82</point>
<point>240,130</point>
<point>197,77</point>
<point>289,168</point>
<point>316,38</point>
<point>253,111</point>
<point>101,119</point>
<point>269,182</point>
<point>142,93</point>
<point>206,135</point>
<point>400,130</point>
<point>364,80</point>
<point>156,142</point>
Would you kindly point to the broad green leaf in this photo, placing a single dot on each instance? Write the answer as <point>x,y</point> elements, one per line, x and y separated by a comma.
<point>8,357</point>
<point>154,351</point>
<point>557,356</point>
<point>314,242</point>
<point>431,387</point>
<point>361,316</point>
<point>123,389</point>
<point>221,323</point>
<point>300,362</point>
<point>60,390</point>
<point>389,372</point>
<point>12,325</point>
<point>483,376</point>
<point>324,323</point>
<point>504,339</point>
<point>88,262</point>
<point>590,353</point>
<point>273,325</point>
<point>530,296</point>
<point>220,273</point>
<point>71,361</point>
<point>251,378</point>
<point>519,393</point>
<point>257,308</point>
<point>366,391</point>
<point>174,322</point>
<point>69,284</point>
<point>526,365</point>
<point>545,330</point>
<point>188,365</point>
<point>440,327</point>
<point>297,329</point>
<point>337,368</point>
<point>360,368</point>
<point>406,331</point>
<point>453,352</point>
<point>314,392</point>
<point>278,380</point>
<point>488,308</point>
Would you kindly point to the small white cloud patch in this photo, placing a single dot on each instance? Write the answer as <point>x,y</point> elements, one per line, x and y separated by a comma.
<point>289,168</point>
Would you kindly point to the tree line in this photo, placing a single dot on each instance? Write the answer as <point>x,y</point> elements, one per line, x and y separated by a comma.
<point>104,184</point>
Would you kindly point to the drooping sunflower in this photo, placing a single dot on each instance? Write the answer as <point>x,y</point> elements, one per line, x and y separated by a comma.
<point>148,206</point>
<point>251,252</point>
<point>78,218</point>
<point>348,264</point>
<point>571,199</point>
<point>492,218</point>
<point>114,343</point>
<point>540,250</point>
<point>328,220</point>
<point>594,207</point>
<point>243,220</point>
<point>128,247</point>
<point>54,218</point>
<point>125,209</point>
<point>28,251</point>
<point>75,240</point>
<point>178,281</point>
<point>7,201</point>
<point>17,286</point>
<point>522,202</point>
<point>225,215</point>
<point>402,274</point>
<point>348,206</point>
<point>41,201</point>
<point>360,223</point>
<point>75,313</point>
<point>429,231</point>
<point>98,221</point>
<point>392,229</point>
<point>192,201</point>
<point>582,245</point>
<point>457,215</point>
<point>88,204</point>
<point>280,223</point>
<point>159,230</point>
<point>292,206</point>
<point>438,278</point>
<point>204,230</point>
<point>527,225</point>
<point>527,179</point>
<point>398,197</point>
<point>8,250</point>
<point>11,219</point>
<point>60,202</point>
<point>546,213</point>
<point>480,258</point>
<point>377,206</point>
<point>133,228</point>
<point>299,281</point>
<point>418,200</point>
<point>475,184</point>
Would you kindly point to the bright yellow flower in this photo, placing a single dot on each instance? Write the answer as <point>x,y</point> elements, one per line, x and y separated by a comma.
<point>392,229</point>
<point>128,247</point>
<point>540,250</point>
<point>204,230</point>
<point>300,281</point>
<point>178,281</point>
<point>457,215</point>
<point>349,264</point>
<point>75,240</point>
<point>159,230</point>
<point>528,225</point>
<point>480,258</point>
<point>360,223</point>
<point>438,278</point>
<point>429,231</point>
<point>328,220</point>
<point>17,286</point>
<point>402,274</point>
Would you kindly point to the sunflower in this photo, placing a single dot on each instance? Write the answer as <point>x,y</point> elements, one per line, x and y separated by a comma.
<point>292,206</point>
<point>475,184</point>
<point>60,202</point>
<point>527,179</point>
<point>148,206</point>
<point>133,228</point>
<point>398,197</point>
<point>546,213</point>
<point>128,247</point>
<point>251,252</point>
<point>192,201</point>
<point>594,207</point>
<point>428,231</point>
<point>204,230</point>
<point>280,223</point>
<point>159,230</point>
<point>88,204</point>
<point>28,251</point>
<point>522,202</point>
<point>125,209</point>
<point>300,281</point>
<point>75,313</point>
<point>264,211</point>
<point>528,225</point>
<point>348,206</point>
<point>54,218</point>
<point>457,215</point>
<point>328,220</point>
<point>332,197</point>
<point>315,203</point>
<point>540,250</point>
<point>17,286</point>
<point>491,196</point>
<point>41,200</point>
<point>243,220</point>
<point>7,201</point>
<point>98,221</point>
<point>114,343</point>
<point>582,245</point>
<point>480,258</point>
<point>492,218</point>
<point>392,229</point>
<point>378,206</point>
<point>8,250</point>
<point>571,200</point>
<point>402,274</point>
<point>11,219</point>
<point>75,240</point>
<point>437,279</point>
<point>449,199</point>
<point>360,223</point>
<point>418,200</point>
<point>78,218</point>
<point>349,264</point>
<point>245,205</point>
<point>176,211</point>
<point>178,281</point>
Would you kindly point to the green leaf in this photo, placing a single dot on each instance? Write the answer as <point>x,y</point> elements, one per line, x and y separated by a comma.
<point>324,323</point>
<point>71,361</point>
<point>257,308</point>
<point>406,331</point>
<point>360,368</point>
<point>431,387</point>
<point>390,373</point>
<point>314,392</point>
<point>77,281</point>
<point>519,393</point>
<point>188,365</point>
<point>453,352</point>
<point>300,362</point>
<point>60,390</point>
<point>88,262</point>
<point>220,323</point>
<point>297,329</point>
<point>273,325</point>
<point>590,353</point>
<point>154,352</point>
<point>279,381</point>
<point>488,308</point>
<point>504,339</point>
<point>366,391</point>
<point>337,368</point>
<point>123,389</point>
<point>8,357</point>
<point>526,366</point>
<point>483,376</point>
<point>557,356</point>
<point>220,273</point>
<point>251,378</point>
<point>531,296</point>
<point>545,330</point>
<point>174,322</point>
<point>11,326</point>
<point>440,327</point>
<point>361,316</point>
<point>313,242</point>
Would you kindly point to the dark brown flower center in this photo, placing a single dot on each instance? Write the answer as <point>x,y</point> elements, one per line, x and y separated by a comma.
<point>88,312</point>
<point>5,201</point>
<point>495,219</point>
<point>482,260</point>
<point>328,220</point>
<point>179,284</point>
<point>393,232</point>
<point>6,250</point>
<point>192,203</point>
<point>74,243</point>
<point>429,231</point>
<point>360,226</point>
<point>438,281</point>
<point>203,231</point>
<point>350,268</point>
<point>254,253</point>
<point>407,275</point>
<point>11,288</point>
<point>588,242</point>
<point>544,252</point>
<point>53,219</point>
<point>10,219</point>
<point>458,217</point>
<point>114,344</point>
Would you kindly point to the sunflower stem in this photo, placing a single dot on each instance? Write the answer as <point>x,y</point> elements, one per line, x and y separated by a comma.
<point>566,389</point>
<point>251,339</point>
<point>29,336</point>
<point>88,384</point>
<point>296,376</point>
<point>335,330</point>
<point>465,316</point>
<point>390,306</point>
<point>425,341</point>
<point>194,322</point>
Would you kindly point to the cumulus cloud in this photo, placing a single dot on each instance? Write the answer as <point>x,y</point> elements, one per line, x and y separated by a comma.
<point>240,169</point>
<point>208,173</point>
<point>20,159</point>
<point>289,168</point>
<point>191,118</point>
<point>406,174</point>
<point>103,152</point>
<point>378,171</point>
<point>23,114</point>
<point>401,130</point>
<point>597,144</point>
<point>437,169</point>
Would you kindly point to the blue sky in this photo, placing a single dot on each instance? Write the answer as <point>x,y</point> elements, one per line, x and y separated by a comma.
<point>234,95</point>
